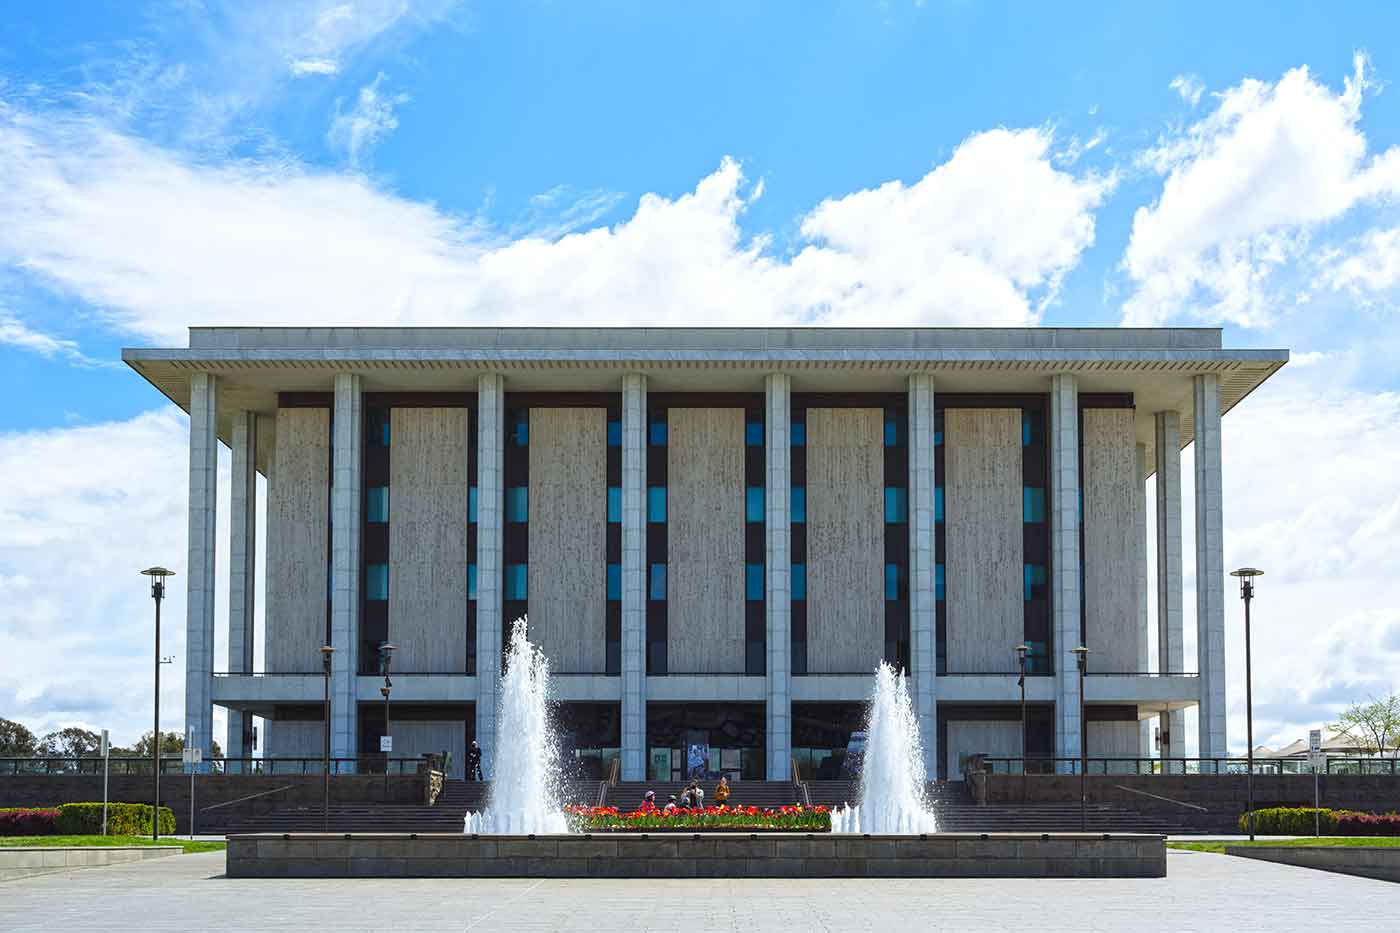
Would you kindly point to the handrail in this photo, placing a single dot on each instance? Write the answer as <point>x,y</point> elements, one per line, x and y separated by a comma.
<point>801,784</point>
<point>226,803</point>
<point>609,781</point>
<point>1182,803</point>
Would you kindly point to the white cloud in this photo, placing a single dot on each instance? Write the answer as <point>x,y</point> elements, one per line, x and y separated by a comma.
<point>370,120</point>
<point>1245,189</point>
<point>15,333</point>
<point>156,241</point>
<point>1369,265</point>
<point>301,67</point>
<point>1189,87</point>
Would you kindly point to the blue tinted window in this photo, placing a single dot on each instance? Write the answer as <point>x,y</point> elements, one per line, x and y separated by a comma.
<point>938,438</point>
<point>939,585</point>
<point>614,581</point>
<point>377,504</point>
<point>1034,499</point>
<point>518,504</point>
<point>896,505</point>
<point>615,504</point>
<point>471,581</point>
<point>377,581</point>
<point>753,433</point>
<point>614,433</point>
<point>891,432</point>
<point>471,504</point>
<point>1030,428</point>
<point>754,510</point>
<point>1035,576</point>
<point>799,433</point>
<point>520,431</point>
<point>656,504</point>
<point>517,581</point>
<point>938,503</point>
<point>892,581</point>
<point>799,581</point>
<point>656,586</point>
<point>656,434</point>
<point>753,581</point>
<point>799,504</point>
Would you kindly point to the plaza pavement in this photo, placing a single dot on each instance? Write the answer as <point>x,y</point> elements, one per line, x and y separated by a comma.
<point>1202,891</point>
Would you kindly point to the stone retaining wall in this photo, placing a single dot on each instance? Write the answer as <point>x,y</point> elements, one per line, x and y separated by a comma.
<point>1381,862</point>
<point>709,855</point>
<point>23,861</point>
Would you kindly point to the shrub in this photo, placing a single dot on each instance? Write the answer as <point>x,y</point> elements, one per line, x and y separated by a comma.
<point>1290,821</point>
<point>1351,823</point>
<point>123,819</point>
<point>25,822</point>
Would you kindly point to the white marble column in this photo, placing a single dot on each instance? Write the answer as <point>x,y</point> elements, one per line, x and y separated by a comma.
<point>203,519</point>
<point>922,558</point>
<point>1171,646</point>
<point>1065,560</point>
<point>778,557</point>
<point>1210,567</point>
<point>243,535</point>
<point>490,515</point>
<point>634,596</point>
<point>346,495</point>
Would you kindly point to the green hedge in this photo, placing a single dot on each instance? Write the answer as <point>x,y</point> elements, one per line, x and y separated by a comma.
<point>123,819</point>
<point>1290,821</point>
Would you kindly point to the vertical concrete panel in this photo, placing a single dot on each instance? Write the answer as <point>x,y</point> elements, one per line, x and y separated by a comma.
<point>294,739</point>
<point>993,738</point>
<point>983,514</point>
<point>298,508</point>
<point>347,492</point>
<point>705,541</point>
<point>1114,740</point>
<point>845,539</point>
<point>1113,543</point>
<point>1171,646</point>
<point>203,518</point>
<point>1210,567</point>
<point>922,561</point>
<point>568,536</point>
<point>490,515</point>
<point>1064,558</point>
<point>242,566</point>
<point>428,489</point>
<point>778,557</point>
<point>413,739</point>
<point>634,606</point>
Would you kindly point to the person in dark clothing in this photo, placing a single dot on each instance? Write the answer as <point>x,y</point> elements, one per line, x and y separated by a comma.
<point>474,762</point>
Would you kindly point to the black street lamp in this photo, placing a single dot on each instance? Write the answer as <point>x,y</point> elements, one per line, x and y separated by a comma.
<point>386,654</point>
<point>326,652</point>
<point>1246,576</point>
<point>1081,657</point>
<point>1021,650</point>
<point>157,575</point>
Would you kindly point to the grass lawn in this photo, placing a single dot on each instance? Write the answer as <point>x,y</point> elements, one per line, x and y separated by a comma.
<point>54,841</point>
<point>1219,846</point>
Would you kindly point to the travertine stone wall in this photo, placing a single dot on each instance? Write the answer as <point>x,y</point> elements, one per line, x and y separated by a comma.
<point>1113,542</point>
<point>995,739</point>
<point>983,515</point>
<point>413,739</point>
<point>298,514</point>
<point>1114,740</point>
<point>293,739</point>
<point>568,536</point>
<point>705,541</point>
<point>845,539</point>
<point>428,488</point>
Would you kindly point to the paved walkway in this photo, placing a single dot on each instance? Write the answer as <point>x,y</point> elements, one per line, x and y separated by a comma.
<point>188,892</point>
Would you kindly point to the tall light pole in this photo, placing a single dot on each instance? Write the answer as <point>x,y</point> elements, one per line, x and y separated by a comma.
<point>1081,657</point>
<point>326,652</point>
<point>1246,576</point>
<point>1021,650</point>
<point>157,575</point>
<point>386,654</point>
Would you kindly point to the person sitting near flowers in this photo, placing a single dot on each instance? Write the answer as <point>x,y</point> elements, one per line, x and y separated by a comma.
<point>722,792</point>
<point>648,802</point>
<point>670,805</point>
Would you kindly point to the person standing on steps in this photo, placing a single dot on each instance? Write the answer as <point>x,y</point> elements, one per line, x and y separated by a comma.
<point>474,762</point>
<point>722,792</point>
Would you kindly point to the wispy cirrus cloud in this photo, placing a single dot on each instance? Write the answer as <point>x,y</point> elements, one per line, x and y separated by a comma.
<point>357,130</point>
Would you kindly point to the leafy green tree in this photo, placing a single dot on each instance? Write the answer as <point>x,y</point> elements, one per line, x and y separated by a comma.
<point>16,741</point>
<point>1374,725</point>
<point>171,744</point>
<point>72,742</point>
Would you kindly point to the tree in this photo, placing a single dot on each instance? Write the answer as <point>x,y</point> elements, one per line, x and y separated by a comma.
<point>1374,725</point>
<point>16,741</point>
<point>171,743</point>
<point>72,742</point>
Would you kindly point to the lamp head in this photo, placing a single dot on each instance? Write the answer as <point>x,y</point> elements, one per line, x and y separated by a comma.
<point>1246,576</point>
<point>157,575</point>
<point>1081,655</point>
<point>1021,651</point>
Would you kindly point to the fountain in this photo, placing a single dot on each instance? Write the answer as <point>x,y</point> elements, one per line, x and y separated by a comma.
<point>525,788</point>
<point>892,772</point>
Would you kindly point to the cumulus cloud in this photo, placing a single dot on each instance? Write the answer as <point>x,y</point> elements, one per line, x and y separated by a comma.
<point>372,118</point>
<point>157,241</point>
<point>1245,188</point>
<point>1366,266</point>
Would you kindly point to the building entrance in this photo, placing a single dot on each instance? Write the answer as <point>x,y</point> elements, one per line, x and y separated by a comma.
<point>705,740</point>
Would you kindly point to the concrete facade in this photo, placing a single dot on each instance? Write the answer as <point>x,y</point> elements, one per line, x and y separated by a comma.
<point>199,618</point>
<point>1166,388</point>
<point>243,527</point>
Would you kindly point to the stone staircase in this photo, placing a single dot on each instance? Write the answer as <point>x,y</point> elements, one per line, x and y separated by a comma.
<point>627,795</point>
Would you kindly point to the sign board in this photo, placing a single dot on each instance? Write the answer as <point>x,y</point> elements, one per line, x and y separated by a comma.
<point>1315,741</point>
<point>192,756</point>
<point>386,743</point>
<point>105,747</point>
<point>1318,761</point>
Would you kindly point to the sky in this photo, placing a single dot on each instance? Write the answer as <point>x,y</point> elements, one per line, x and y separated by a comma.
<point>895,162</point>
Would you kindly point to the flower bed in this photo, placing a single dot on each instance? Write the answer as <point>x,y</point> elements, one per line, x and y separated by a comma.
<point>709,819</point>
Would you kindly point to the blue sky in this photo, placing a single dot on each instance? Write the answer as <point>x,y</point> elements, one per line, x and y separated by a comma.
<point>432,161</point>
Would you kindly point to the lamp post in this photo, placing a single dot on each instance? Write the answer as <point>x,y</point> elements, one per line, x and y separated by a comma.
<point>326,652</point>
<point>1021,650</point>
<point>386,653</point>
<point>157,575</point>
<point>1246,576</point>
<point>1081,657</point>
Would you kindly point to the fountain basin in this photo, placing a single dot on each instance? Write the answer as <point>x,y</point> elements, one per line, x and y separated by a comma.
<point>697,855</point>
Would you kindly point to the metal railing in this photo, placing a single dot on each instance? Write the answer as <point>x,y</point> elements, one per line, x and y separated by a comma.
<point>368,764</point>
<point>1178,766</point>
